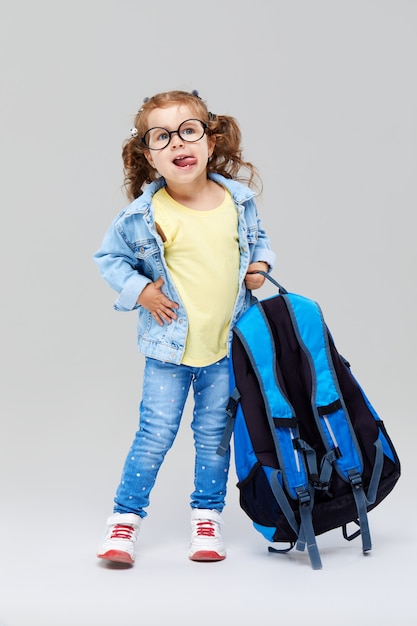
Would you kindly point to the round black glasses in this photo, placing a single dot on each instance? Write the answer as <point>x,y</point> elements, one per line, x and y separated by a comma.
<point>190,131</point>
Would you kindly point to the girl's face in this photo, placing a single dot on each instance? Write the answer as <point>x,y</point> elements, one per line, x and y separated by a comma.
<point>180,162</point>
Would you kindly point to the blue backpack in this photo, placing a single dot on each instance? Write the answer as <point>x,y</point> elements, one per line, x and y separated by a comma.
<point>311,453</point>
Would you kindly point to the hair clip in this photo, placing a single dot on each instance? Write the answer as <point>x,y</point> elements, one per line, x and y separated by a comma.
<point>134,132</point>
<point>145,100</point>
<point>212,116</point>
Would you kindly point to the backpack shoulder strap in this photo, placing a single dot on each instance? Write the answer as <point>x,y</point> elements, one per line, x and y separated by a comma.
<point>255,334</point>
<point>328,405</point>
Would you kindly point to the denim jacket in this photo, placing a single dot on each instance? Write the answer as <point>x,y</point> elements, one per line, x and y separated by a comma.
<point>132,255</point>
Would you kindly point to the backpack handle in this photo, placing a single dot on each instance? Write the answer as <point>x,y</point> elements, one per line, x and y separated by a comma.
<point>281,289</point>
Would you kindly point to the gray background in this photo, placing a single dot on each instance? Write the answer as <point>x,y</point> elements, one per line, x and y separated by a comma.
<point>325,94</point>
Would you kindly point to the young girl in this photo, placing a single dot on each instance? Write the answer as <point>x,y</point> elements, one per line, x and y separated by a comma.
<point>185,253</point>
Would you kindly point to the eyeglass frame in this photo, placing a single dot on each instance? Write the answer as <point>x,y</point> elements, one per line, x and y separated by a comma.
<point>173,132</point>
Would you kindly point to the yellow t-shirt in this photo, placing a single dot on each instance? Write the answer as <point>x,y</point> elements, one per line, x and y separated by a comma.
<point>202,254</point>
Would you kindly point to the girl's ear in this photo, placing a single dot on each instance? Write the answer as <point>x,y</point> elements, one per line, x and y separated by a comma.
<point>148,157</point>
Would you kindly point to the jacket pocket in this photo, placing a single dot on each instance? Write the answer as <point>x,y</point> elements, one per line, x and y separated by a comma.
<point>148,257</point>
<point>145,248</point>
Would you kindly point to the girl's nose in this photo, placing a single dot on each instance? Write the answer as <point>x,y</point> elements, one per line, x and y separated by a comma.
<point>176,139</point>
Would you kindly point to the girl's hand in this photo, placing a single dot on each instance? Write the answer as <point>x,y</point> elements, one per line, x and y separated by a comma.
<point>252,279</point>
<point>161,307</point>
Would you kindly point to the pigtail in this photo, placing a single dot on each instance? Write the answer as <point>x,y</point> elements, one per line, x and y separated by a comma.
<point>137,170</point>
<point>227,158</point>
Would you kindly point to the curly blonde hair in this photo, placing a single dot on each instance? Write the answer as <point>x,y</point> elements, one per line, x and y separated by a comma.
<point>226,158</point>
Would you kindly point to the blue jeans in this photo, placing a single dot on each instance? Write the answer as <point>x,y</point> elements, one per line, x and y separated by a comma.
<point>165,390</point>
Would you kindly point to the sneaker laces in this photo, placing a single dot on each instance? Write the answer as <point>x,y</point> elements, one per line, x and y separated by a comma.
<point>122,531</point>
<point>205,528</point>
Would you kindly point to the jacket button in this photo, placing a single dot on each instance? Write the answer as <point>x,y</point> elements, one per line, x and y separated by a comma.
<point>142,250</point>
<point>180,321</point>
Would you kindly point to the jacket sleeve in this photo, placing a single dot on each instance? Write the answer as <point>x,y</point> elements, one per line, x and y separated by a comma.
<point>262,250</point>
<point>118,266</point>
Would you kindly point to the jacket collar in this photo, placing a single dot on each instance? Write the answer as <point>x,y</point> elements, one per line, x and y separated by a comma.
<point>239,192</point>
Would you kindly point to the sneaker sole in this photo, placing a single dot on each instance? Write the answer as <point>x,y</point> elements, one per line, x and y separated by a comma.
<point>116,556</point>
<point>206,555</point>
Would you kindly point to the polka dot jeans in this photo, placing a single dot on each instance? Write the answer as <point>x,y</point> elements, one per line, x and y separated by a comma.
<point>165,390</point>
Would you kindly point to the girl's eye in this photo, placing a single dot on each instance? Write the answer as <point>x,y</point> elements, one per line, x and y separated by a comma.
<point>163,136</point>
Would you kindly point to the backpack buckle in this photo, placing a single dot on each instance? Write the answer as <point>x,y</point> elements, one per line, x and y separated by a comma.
<point>304,497</point>
<point>355,479</point>
<point>232,403</point>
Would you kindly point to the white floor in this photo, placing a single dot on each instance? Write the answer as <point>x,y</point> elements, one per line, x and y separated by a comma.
<point>49,575</point>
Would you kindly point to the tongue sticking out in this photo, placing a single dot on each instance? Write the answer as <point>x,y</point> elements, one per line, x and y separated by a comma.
<point>185,161</point>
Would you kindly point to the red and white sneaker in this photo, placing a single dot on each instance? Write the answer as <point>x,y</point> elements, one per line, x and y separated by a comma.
<point>206,539</point>
<point>119,543</point>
